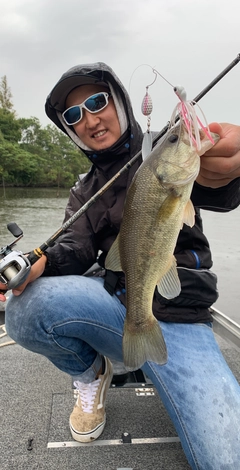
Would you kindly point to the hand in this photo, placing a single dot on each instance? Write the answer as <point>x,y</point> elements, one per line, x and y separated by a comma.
<point>35,272</point>
<point>221,164</point>
<point>2,296</point>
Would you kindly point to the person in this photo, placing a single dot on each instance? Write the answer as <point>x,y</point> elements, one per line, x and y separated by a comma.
<point>76,321</point>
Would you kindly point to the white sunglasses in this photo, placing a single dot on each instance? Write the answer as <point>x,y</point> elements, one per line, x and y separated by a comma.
<point>93,104</point>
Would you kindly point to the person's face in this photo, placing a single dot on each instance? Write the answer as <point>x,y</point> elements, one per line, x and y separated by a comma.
<point>99,130</point>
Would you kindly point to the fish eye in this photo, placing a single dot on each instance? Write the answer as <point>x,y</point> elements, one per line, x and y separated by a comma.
<point>173,138</point>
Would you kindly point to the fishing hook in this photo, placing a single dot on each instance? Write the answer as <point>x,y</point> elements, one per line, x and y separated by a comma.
<point>38,252</point>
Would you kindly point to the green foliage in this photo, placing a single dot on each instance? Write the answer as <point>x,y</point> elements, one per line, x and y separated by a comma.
<point>18,166</point>
<point>5,95</point>
<point>31,155</point>
<point>9,126</point>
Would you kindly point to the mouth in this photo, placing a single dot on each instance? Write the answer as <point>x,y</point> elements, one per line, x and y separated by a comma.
<point>99,134</point>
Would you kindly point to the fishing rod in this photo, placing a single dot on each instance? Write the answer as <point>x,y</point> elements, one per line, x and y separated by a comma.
<point>15,267</point>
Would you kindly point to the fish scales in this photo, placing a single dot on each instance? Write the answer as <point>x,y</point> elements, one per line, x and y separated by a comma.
<point>156,206</point>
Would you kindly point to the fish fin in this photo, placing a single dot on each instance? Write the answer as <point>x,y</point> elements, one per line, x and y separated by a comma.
<point>189,214</point>
<point>146,145</point>
<point>113,261</point>
<point>170,286</point>
<point>144,344</point>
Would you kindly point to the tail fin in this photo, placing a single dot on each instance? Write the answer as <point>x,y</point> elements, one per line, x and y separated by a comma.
<point>143,345</point>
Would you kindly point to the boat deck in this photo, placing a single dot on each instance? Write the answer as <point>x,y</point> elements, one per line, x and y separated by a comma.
<point>36,401</point>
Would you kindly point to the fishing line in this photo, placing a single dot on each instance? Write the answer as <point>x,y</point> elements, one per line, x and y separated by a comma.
<point>38,252</point>
<point>153,70</point>
<point>147,107</point>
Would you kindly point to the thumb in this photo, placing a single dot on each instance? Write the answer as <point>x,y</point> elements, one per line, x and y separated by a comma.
<point>16,292</point>
<point>216,128</point>
<point>2,298</point>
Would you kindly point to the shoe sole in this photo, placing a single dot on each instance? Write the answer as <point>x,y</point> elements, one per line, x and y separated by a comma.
<point>88,436</point>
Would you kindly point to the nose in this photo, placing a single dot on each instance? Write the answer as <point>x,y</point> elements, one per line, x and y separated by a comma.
<point>91,120</point>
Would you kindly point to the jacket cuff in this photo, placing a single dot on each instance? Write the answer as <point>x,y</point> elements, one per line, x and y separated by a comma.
<point>222,199</point>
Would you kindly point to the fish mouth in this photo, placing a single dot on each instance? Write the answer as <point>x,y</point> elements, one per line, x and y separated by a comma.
<point>214,136</point>
<point>205,136</point>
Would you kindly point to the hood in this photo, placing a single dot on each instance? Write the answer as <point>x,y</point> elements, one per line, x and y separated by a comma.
<point>97,73</point>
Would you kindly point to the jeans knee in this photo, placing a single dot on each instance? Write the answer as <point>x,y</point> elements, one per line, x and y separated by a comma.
<point>18,322</point>
<point>13,328</point>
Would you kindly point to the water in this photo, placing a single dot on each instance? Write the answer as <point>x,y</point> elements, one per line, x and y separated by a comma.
<point>39,213</point>
<point>222,230</point>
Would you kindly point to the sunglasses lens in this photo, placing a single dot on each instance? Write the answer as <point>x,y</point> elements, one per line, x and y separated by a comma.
<point>93,104</point>
<point>73,115</point>
<point>96,102</point>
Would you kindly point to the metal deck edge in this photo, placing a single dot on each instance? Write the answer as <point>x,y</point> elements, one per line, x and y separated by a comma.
<point>110,442</point>
<point>225,327</point>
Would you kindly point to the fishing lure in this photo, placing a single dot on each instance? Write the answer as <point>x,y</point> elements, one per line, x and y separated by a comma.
<point>185,110</point>
<point>146,108</point>
<point>187,113</point>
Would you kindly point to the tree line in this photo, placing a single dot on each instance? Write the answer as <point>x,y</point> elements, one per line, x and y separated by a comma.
<point>32,155</point>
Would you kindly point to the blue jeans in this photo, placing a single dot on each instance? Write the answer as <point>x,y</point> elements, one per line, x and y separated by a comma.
<point>72,320</point>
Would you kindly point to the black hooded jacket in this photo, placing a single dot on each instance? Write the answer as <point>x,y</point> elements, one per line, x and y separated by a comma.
<point>94,232</point>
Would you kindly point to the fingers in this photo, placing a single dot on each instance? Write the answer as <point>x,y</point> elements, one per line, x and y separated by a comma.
<point>210,182</point>
<point>216,128</point>
<point>35,272</point>
<point>20,289</point>
<point>221,164</point>
<point>3,289</point>
<point>3,292</point>
<point>228,166</point>
<point>229,143</point>
<point>2,298</point>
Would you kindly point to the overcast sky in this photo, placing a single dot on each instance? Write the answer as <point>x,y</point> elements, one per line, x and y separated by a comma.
<point>188,41</point>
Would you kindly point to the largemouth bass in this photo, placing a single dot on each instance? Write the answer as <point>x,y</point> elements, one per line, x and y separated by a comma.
<point>156,207</point>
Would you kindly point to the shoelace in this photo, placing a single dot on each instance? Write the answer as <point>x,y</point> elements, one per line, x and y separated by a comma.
<point>87,394</point>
